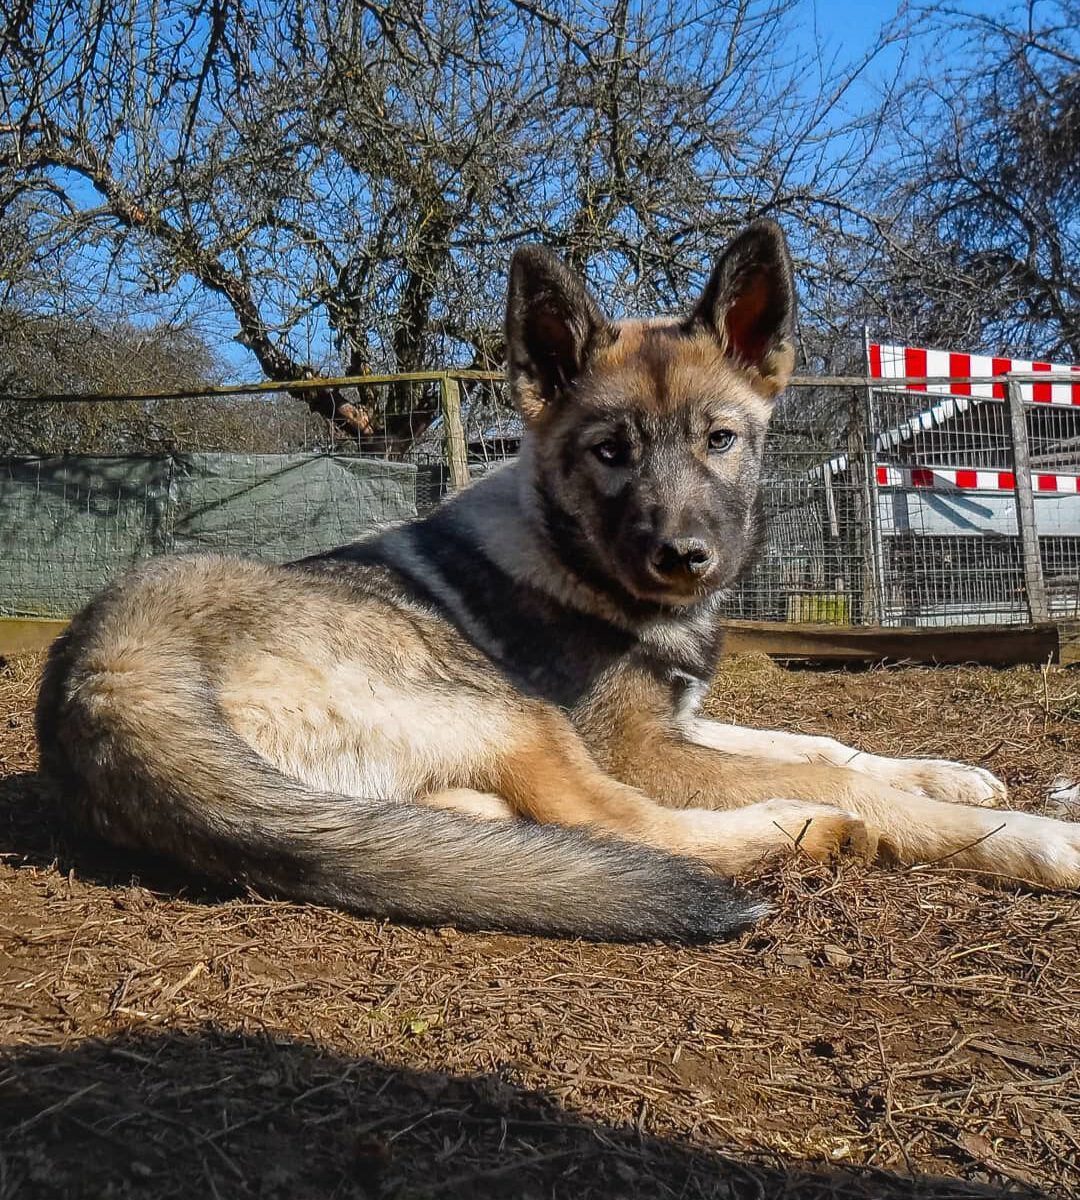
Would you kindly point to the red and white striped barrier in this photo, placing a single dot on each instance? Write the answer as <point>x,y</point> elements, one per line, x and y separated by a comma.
<point>952,479</point>
<point>898,362</point>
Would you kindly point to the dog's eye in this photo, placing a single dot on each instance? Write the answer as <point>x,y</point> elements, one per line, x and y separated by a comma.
<point>610,452</point>
<point>721,440</point>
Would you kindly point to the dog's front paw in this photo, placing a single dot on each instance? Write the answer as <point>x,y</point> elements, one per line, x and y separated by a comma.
<point>1064,870</point>
<point>822,832</point>
<point>940,779</point>
<point>1063,798</point>
<point>739,839</point>
<point>826,838</point>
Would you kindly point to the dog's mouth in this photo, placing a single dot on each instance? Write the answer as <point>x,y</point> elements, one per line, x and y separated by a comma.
<point>677,589</point>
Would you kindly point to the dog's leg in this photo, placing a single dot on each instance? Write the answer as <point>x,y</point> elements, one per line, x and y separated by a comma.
<point>905,827</point>
<point>749,834</point>
<point>344,729</point>
<point>552,778</point>
<point>771,828</point>
<point>1009,845</point>
<point>940,779</point>
<point>476,804</point>
<point>635,743</point>
<point>916,829</point>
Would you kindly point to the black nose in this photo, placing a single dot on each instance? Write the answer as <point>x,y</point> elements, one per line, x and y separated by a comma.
<point>683,554</point>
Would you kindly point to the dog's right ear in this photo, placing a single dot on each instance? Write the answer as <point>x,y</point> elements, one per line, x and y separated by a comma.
<point>553,327</point>
<point>749,306</point>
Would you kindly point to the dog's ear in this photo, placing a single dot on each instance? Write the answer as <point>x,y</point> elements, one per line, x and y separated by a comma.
<point>553,327</point>
<point>749,304</point>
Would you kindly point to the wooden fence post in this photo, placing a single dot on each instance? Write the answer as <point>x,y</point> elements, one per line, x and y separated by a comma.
<point>1026,527</point>
<point>457,458</point>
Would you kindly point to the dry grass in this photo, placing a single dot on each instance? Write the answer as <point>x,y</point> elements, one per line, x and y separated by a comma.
<point>888,1034</point>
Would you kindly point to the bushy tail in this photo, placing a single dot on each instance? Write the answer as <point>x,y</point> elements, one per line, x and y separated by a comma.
<point>172,777</point>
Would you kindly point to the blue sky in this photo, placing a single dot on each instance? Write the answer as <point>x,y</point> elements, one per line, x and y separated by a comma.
<point>853,26</point>
<point>848,32</point>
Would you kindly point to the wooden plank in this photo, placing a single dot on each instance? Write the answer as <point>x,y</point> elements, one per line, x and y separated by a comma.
<point>992,645</point>
<point>21,634</point>
<point>1028,530</point>
<point>263,387</point>
<point>859,532</point>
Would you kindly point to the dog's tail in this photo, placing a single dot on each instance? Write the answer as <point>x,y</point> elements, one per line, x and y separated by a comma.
<point>163,772</point>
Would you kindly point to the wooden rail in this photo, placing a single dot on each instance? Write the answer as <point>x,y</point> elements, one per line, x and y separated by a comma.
<point>1026,526</point>
<point>991,645</point>
<point>270,386</point>
<point>19,635</point>
<point>457,450</point>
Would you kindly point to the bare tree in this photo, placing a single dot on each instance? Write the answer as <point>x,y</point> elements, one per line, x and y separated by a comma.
<point>975,221</point>
<point>58,354</point>
<point>346,180</point>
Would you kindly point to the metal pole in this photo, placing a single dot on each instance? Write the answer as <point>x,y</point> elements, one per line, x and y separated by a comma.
<point>1026,526</point>
<point>871,488</point>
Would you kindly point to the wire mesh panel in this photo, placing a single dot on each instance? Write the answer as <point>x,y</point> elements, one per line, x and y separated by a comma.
<point>69,523</point>
<point>810,566</point>
<point>950,545</point>
<point>1053,432</point>
<point>816,562</point>
<point>946,509</point>
<point>490,433</point>
<point>91,486</point>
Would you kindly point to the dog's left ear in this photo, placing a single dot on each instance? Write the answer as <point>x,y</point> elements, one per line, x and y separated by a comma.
<point>553,327</point>
<point>749,304</point>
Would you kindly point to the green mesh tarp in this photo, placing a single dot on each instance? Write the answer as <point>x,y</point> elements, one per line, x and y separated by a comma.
<point>68,524</point>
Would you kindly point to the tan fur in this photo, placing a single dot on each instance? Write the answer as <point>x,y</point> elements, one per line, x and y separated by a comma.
<point>655,368</point>
<point>484,805</point>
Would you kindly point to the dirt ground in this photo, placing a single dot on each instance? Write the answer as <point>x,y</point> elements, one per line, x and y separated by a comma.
<point>888,1034</point>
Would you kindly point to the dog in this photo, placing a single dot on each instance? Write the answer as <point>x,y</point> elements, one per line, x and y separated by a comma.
<point>489,717</point>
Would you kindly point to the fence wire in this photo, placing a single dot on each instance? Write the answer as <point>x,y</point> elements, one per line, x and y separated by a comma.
<point>883,505</point>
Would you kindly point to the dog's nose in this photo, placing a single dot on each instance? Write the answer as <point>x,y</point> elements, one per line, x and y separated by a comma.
<point>691,555</point>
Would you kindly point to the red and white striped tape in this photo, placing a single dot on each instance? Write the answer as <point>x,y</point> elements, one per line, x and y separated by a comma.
<point>952,478</point>
<point>896,362</point>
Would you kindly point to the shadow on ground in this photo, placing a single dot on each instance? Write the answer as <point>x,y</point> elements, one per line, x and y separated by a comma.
<point>36,832</point>
<point>223,1114</point>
